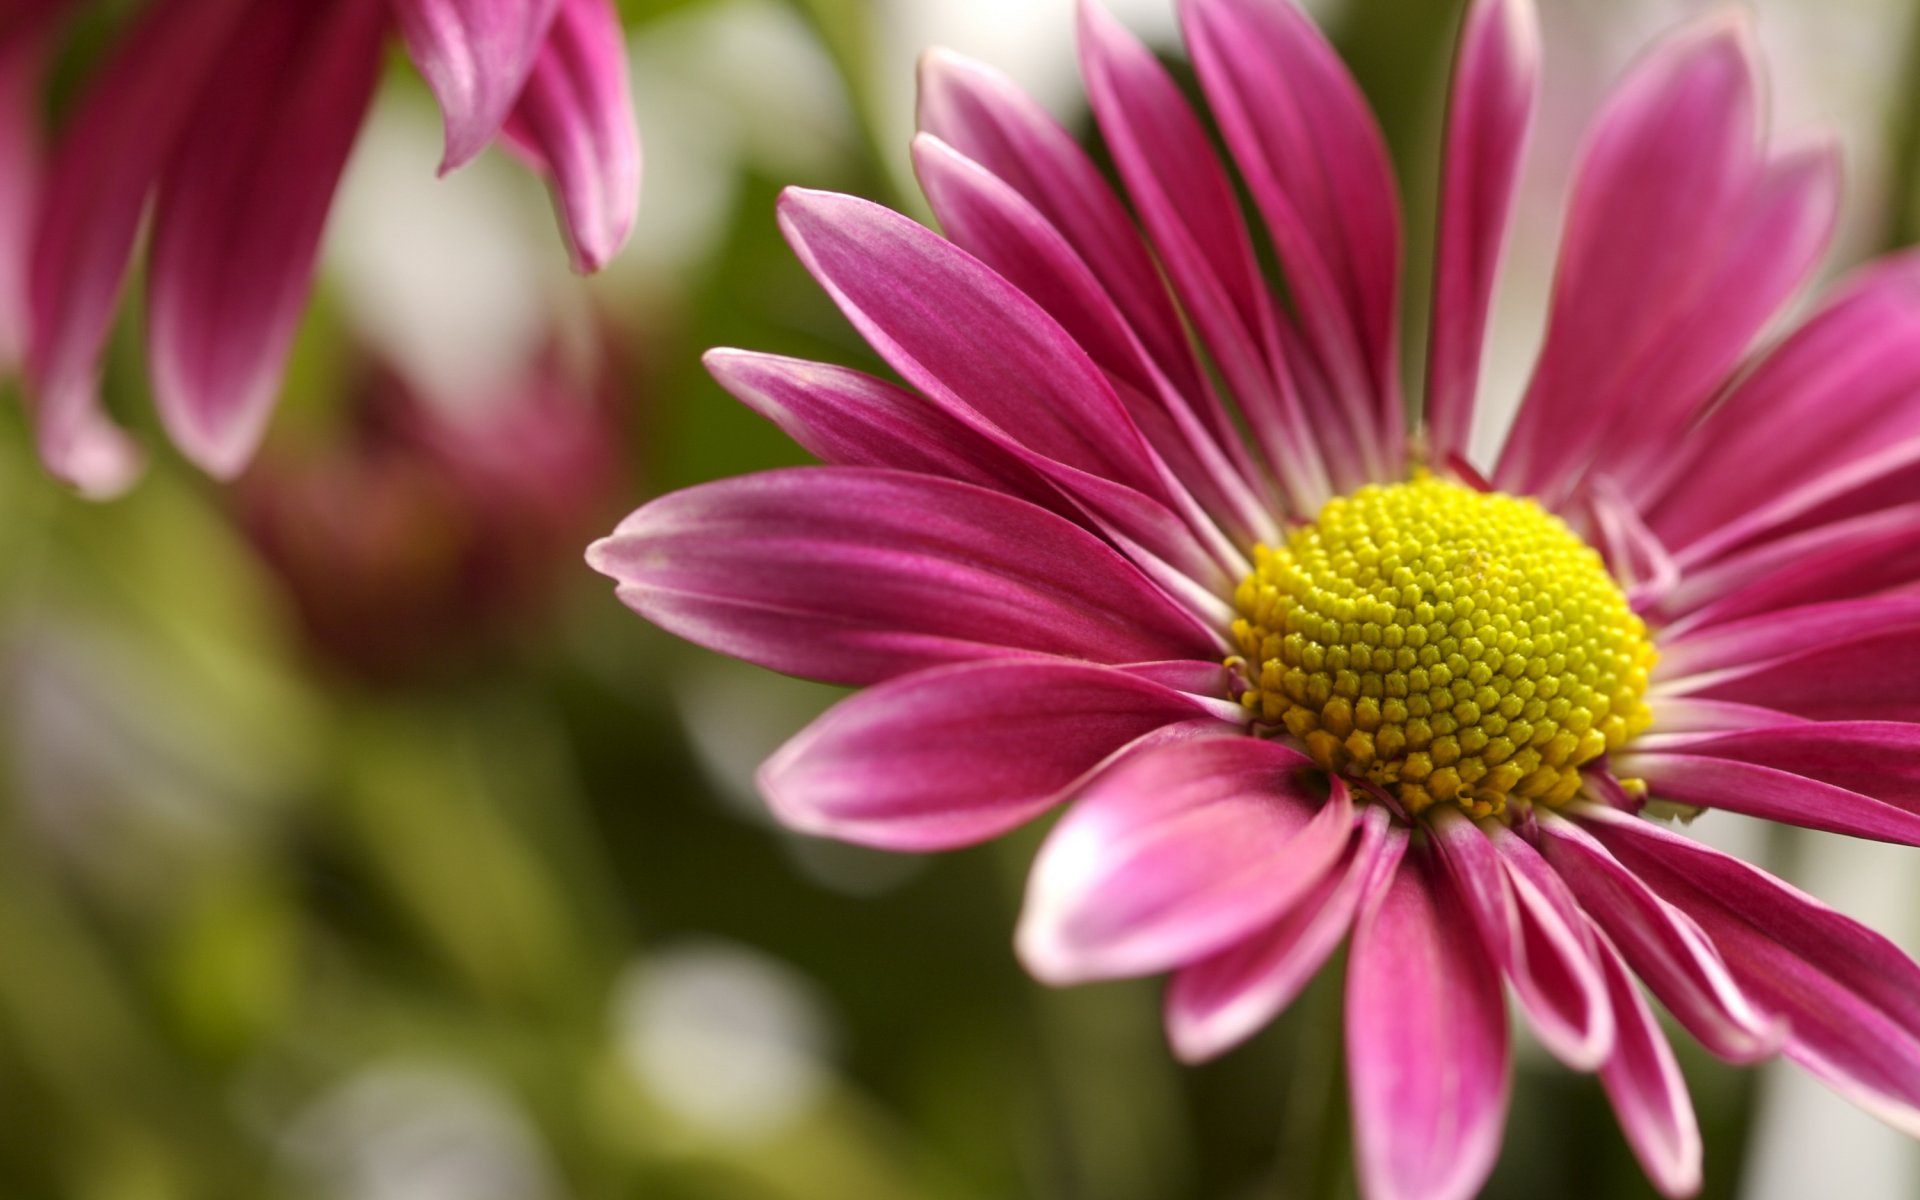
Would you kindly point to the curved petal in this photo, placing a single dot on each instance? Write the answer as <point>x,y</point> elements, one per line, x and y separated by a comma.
<point>929,307</point>
<point>1850,996</point>
<point>987,218</point>
<point>1768,793</point>
<point>1174,854</point>
<point>476,55</point>
<point>239,213</point>
<point>956,755</point>
<point>105,161</point>
<point>1496,76</point>
<point>1427,1053</point>
<point>1540,950</point>
<point>1673,206</point>
<point>855,575</point>
<point>1834,392</point>
<point>850,419</point>
<point>1874,758</point>
<point>1312,156</point>
<point>1849,558</point>
<point>1873,677</point>
<point>24,59</point>
<point>1733,648</point>
<point>1665,948</point>
<point>1216,1003</point>
<point>1642,1079</point>
<point>1187,204</point>
<point>575,121</point>
<point>983,115</point>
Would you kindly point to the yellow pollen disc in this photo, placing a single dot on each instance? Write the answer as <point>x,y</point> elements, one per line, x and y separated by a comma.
<point>1446,644</point>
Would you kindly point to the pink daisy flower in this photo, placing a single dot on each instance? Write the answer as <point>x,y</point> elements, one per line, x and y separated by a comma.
<point>1153,542</point>
<point>233,119</point>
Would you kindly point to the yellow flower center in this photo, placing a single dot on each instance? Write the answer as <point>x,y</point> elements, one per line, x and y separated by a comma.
<point>1445,644</point>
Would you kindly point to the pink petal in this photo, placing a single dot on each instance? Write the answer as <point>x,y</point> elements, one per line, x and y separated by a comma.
<point>956,755</point>
<point>240,210</point>
<point>1187,204</point>
<point>981,114</point>
<point>1824,681</point>
<point>1216,1003</point>
<point>24,54</point>
<point>1834,392</point>
<point>856,575</point>
<point>929,307</point>
<point>1427,1054</point>
<point>106,159</point>
<point>1666,183</point>
<point>1496,74</point>
<point>1874,758</point>
<point>1176,853</point>
<point>575,121</point>
<point>1769,793</point>
<point>1697,657</point>
<point>1850,996</point>
<point>1313,158</point>
<point>987,218</point>
<point>476,55</point>
<point>1849,558</point>
<point>851,419</point>
<point>1538,945</point>
<point>1643,1080</point>
<point>1665,948</point>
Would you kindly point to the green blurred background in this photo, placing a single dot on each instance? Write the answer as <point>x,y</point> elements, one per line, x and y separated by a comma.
<point>357,843</point>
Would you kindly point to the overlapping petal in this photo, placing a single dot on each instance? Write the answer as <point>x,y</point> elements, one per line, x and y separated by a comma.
<point>239,214</point>
<point>1427,1052</point>
<point>476,56</point>
<point>1643,1080</point>
<point>1851,997</point>
<point>956,755</point>
<point>1176,853</point>
<point>574,120</point>
<point>856,575</point>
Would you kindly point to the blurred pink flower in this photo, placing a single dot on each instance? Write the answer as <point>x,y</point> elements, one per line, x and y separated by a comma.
<point>234,119</point>
<point>426,538</point>
<point>1304,674</point>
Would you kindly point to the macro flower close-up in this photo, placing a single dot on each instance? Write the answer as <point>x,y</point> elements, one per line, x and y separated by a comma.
<point>1154,535</point>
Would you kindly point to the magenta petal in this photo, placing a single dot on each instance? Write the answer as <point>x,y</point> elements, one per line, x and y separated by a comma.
<point>929,308</point>
<point>1427,1053</point>
<point>1874,758</point>
<point>1496,73</point>
<point>1850,558</point>
<point>1313,158</point>
<point>1218,1002</point>
<point>106,160</point>
<point>23,63</point>
<point>239,216</point>
<point>1834,395</point>
<point>1666,181</point>
<point>476,55</point>
<point>575,120</point>
<point>980,113</point>
<point>1643,1080</point>
<point>1768,793</point>
<point>957,755</point>
<point>1823,682</point>
<point>1851,997</point>
<point>851,419</point>
<point>856,575</point>
<point>988,218</point>
<point>1699,656</point>
<point>1186,202</point>
<point>1176,853</point>
<point>1538,945</point>
<point>1665,948</point>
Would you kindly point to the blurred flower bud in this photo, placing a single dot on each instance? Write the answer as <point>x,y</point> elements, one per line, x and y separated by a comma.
<point>428,534</point>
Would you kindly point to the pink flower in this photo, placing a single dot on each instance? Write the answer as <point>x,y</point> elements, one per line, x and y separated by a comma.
<point>234,119</point>
<point>1151,541</point>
